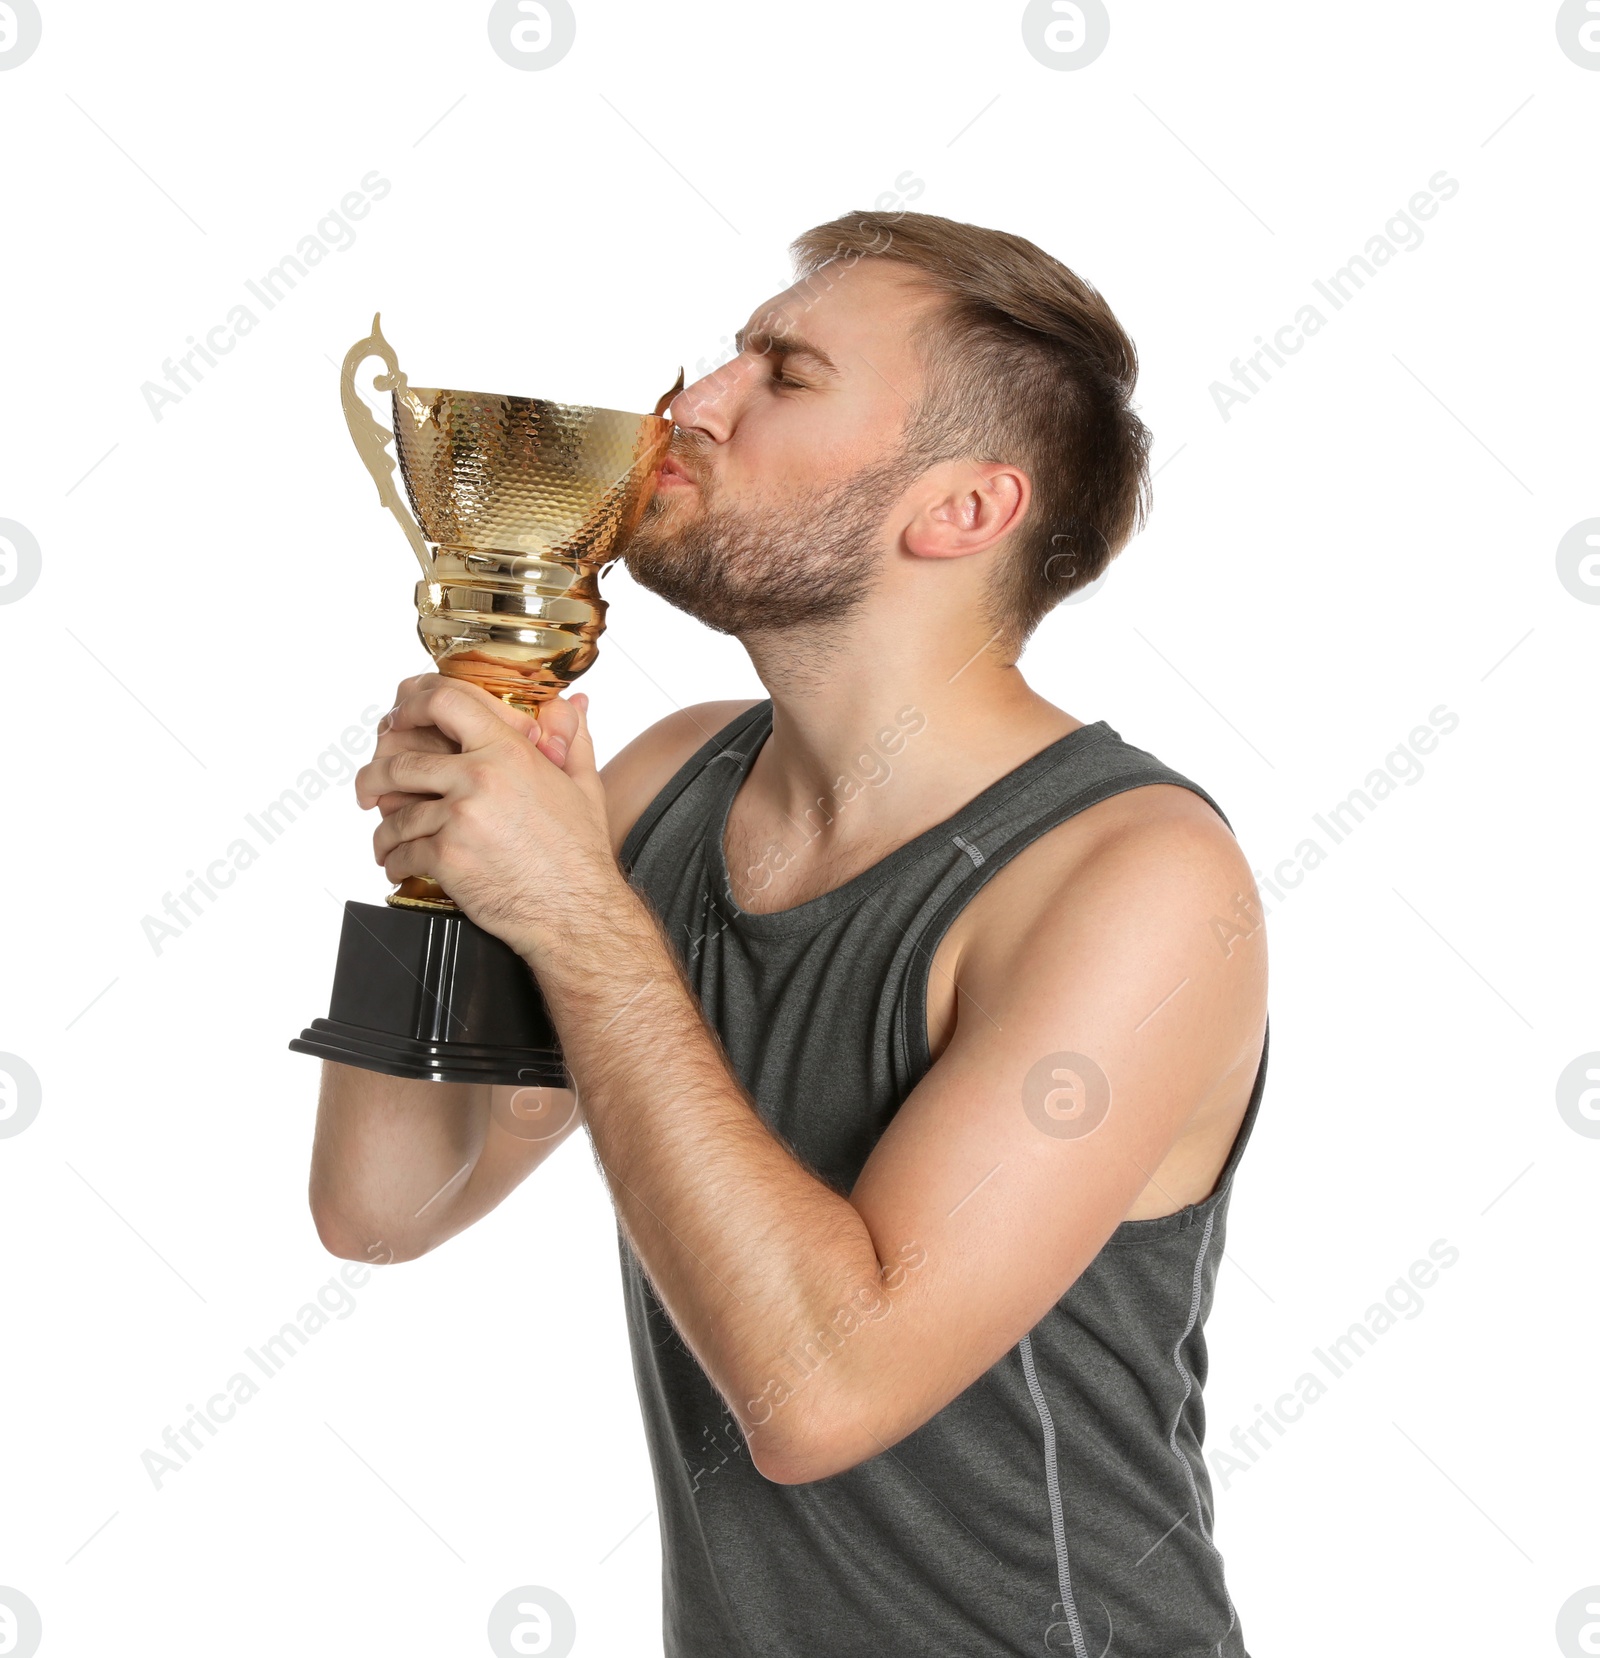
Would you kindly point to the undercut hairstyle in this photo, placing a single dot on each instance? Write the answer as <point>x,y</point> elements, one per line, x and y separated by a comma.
<point>1024,363</point>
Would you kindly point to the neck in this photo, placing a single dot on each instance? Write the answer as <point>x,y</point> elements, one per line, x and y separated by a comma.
<point>880,736</point>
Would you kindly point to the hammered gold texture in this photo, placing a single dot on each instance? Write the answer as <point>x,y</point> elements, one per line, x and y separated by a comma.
<point>522,475</point>
<point>525,500</point>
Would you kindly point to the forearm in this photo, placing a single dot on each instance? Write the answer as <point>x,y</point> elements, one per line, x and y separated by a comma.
<point>747,1249</point>
<point>388,1157</point>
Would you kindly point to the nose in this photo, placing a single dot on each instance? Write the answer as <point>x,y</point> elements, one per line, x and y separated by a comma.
<point>710,404</point>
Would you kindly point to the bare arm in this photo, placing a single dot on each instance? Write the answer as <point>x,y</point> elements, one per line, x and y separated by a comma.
<point>398,1165</point>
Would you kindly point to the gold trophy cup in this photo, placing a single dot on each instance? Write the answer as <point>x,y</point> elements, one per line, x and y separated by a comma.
<point>519,503</point>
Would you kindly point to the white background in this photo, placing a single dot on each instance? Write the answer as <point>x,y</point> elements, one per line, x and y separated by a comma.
<point>1373,535</point>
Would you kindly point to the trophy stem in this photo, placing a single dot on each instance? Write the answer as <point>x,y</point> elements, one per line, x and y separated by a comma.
<point>528,693</point>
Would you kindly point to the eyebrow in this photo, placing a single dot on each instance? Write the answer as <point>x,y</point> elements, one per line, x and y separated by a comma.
<point>781,342</point>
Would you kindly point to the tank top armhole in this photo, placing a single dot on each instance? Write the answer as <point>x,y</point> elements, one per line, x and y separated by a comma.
<point>633,842</point>
<point>915,1059</point>
<point>1195,1214</point>
<point>914,1055</point>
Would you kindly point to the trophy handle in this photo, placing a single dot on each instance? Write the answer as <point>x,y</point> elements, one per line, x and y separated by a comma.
<point>663,403</point>
<point>372,439</point>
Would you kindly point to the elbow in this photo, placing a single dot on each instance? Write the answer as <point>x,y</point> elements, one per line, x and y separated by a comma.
<point>804,1462</point>
<point>808,1448</point>
<point>792,1465</point>
<point>349,1240</point>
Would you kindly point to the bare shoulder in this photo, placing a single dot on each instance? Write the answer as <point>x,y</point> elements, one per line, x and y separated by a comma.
<point>1154,872</point>
<point>637,773</point>
<point>1159,835</point>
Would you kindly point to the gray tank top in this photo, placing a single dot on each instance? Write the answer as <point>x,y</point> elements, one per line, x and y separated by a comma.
<point>1061,1503</point>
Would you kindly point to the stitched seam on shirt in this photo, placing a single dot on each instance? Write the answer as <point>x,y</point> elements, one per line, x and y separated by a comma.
<point>1188,1389</point>
<point>1052,1479</point>
<point>971,851</point>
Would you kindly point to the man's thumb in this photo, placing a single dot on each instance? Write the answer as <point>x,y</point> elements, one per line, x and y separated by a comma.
<point>558,720</point>
<point>580,748</point>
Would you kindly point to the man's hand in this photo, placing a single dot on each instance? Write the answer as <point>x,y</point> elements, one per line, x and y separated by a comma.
<point>505,812</point>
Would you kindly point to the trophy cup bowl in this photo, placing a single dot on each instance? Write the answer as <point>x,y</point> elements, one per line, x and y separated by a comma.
<point>525,501</point>
<point>518,504</point>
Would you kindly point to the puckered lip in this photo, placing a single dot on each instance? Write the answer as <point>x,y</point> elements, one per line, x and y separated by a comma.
<point>672,467</point>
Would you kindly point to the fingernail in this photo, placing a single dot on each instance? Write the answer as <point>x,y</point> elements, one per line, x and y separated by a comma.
<point>559,746</point>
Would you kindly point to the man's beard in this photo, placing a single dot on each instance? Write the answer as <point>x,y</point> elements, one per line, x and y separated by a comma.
<point>769,568</point>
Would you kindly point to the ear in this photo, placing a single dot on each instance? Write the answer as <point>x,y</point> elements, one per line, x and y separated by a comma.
<point>962,507</point>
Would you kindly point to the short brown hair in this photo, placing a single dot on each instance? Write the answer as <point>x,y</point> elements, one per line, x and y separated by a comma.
<point>1024,363</point>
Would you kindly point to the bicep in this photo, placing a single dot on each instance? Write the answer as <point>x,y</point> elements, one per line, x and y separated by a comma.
<point>1075,1064</point>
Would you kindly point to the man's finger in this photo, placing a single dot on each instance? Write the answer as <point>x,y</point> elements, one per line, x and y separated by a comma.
<point>428,737</point>
<point>411,772</point>
<point>463,711</point>
<point>389,804</point>
<point>419,821</point>
<point>416,857</point>
<point>401,689</point>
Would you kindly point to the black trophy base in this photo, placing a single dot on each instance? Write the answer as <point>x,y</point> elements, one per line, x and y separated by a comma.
<point>429,994</point>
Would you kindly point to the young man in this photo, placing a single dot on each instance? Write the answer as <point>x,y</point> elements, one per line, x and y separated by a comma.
<point>918,1026</point>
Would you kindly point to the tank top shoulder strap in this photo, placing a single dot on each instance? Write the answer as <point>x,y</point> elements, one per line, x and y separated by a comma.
<point>733,742</point>
<point>1090,764</point>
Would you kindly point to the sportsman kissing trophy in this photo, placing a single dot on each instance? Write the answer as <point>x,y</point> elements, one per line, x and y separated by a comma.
<point>524,501</point>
